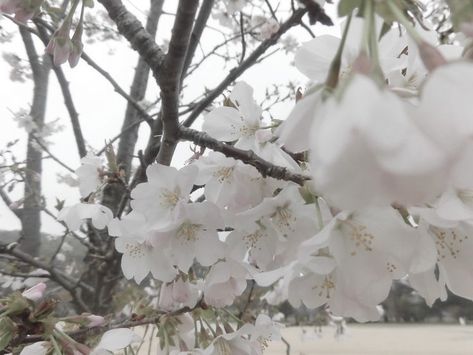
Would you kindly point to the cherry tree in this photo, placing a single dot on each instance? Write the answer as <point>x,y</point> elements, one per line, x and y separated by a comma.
<point>365,182</point>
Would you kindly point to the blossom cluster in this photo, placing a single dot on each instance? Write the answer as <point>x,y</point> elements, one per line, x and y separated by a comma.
<point>390,198</point>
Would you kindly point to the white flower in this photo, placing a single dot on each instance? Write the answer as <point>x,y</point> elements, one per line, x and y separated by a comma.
<point>288,216</point>
<point>192,235</point>
<point>225,281</point>
<point>242,123</point>
<point>140,257</point>
<point>234,5</point>
<point>313,58</point>
<point>367,150</point>
<point>88,174</point>
<point>228,182</point>
<point>238,123</point>
<point>38,348</point>
<point>178,294</point>
<point>115,339</point>
<point>166,188</point>
<point>454,247</point>
<point>74,215</point>
<point>294,132</point>
<point>269,28</point>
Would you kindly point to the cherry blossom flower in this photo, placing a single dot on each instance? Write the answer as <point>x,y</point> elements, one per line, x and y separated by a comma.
<point>114,340</point>
<point>225,281</point>
<point>229,183</point>
<point>454,250</point>
<point>192,235</point>
<point>242,123</point>
<point>313,58</point>
<point>178,294</point>
<point>89,174</point>
<point>237,123</point>
<point>74,215</point>
<point>140,258</point>
<point>38,348</point>
<point>166,188</point>
<point>248,340</point>
<point>379,146</point>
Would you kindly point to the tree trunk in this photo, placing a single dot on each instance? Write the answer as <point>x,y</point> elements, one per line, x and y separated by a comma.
<point>126,146</point>
<point>31,213</point>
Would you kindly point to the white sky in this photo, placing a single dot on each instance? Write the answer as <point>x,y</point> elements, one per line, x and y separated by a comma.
<point>102,110</point>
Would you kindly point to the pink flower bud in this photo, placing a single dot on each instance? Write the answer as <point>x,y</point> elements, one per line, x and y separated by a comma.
<point>95,321</point>
<point>36,292</point>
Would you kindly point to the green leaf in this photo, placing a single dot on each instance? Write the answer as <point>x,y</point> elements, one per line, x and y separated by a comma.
<point>346,7</point>
<point>7,330</point>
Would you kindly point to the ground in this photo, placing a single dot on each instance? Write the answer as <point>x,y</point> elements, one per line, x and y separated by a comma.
<point>373,339</point>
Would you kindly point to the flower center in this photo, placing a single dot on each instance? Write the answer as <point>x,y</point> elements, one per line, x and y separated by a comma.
<point>187,232</point>
<point>134,250</point>
<point>448,242</point>
<point>169,198</point>
<point>223,174</point>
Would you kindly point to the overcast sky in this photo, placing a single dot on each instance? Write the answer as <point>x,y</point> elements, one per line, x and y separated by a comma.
<point>101,109</point>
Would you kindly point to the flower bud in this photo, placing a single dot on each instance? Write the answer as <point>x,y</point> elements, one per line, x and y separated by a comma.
<point>35,293</point>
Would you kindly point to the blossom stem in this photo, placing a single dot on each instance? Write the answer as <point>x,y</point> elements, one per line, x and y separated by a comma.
<point>334,71</point>
<point>318,212</point>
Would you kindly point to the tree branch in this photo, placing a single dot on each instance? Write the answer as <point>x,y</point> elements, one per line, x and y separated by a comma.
<point>243,66</point>
<point>132,120</point>
<point>132,29</point>
<point>199,27</point>
<point>169,81</point>
<point>246,156</point>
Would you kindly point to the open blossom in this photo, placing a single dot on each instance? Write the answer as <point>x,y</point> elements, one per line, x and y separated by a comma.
<point>237,123</point>
<point>75,215</point>
<point>248,340</point>
<point>89,174</point>
<point>454,248</point>
<point>225,281</point>
<point>114,340</point>
<point>166,189</point>
<point>178,294</point>
<point>313,58</point>
<point>371,137</point>
<point>193,234</point>
<point>38,348</point>
<point>242,123</point>
<point>228,182</point>
<point>139,257</point>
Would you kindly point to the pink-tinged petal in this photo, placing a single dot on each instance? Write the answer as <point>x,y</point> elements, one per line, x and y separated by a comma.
<point>75,55</point>
<point>62,50</point>
<point>36,292</point>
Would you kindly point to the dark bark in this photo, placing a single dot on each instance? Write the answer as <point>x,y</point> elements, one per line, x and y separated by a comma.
<point>31,213</point>
<point>126,145</point>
